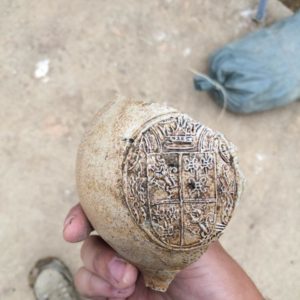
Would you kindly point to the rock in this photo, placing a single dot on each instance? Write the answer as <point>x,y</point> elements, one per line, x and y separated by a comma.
<point>157,186</point>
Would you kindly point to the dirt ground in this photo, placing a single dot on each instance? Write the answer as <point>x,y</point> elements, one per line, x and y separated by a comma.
<point>63,60</point>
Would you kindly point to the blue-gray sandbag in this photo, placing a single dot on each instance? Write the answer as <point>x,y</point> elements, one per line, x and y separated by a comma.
<point>258,72</point>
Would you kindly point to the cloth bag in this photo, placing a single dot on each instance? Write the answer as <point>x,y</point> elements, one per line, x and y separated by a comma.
<point>259,72</point>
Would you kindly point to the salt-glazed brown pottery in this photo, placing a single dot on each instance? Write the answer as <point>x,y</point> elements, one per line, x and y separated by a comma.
<point>157,186</point>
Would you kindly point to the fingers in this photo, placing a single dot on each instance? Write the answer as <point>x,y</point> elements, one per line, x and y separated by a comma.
<point>105,274</point>
<point>101,260</point>
<point>92,286</point>
<point>76,227</point>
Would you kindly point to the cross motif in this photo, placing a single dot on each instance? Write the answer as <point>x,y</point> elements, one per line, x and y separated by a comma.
<point>207,162</point>
<point>198,187</point>
<point>191,164</point>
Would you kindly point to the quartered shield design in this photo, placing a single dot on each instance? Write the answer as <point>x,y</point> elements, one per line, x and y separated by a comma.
<point>180,182</point>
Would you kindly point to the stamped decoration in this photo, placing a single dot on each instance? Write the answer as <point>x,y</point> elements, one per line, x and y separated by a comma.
<point>180,182</point>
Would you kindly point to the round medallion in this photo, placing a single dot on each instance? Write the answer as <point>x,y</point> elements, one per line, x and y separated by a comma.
<point>181,181</point>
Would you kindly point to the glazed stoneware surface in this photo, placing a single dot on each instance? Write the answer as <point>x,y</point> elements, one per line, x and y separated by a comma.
<point>157,186</point>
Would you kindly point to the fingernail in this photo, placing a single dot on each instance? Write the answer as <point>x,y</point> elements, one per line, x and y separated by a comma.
<point>122,292</point>
<point>117,268</point>
<point>68,221</point>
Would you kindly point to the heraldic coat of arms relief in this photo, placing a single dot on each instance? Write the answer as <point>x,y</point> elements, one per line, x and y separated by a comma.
<point>179,179</point>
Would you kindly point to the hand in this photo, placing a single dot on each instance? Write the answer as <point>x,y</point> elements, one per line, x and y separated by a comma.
<point>105,275</point>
